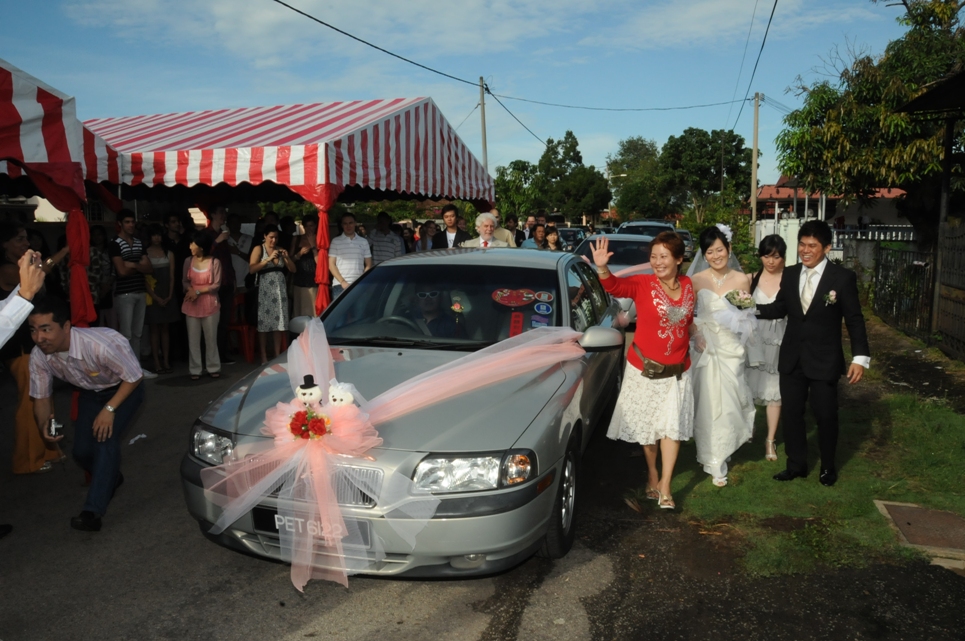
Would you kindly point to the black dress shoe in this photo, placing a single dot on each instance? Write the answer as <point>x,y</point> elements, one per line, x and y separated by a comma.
<point>789,475</point>
<point>5,529</point>
<point>828,477</point>
<point>86,521</point>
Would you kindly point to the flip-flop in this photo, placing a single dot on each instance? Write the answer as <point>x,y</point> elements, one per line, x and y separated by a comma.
<point>195,377</point>
<point>215,375</point>
<point>666,502</point>
<point>653,494</point>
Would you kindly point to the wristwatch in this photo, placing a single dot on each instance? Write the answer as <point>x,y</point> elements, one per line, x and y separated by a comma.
<point>109,408</point>
<point>197,292</point>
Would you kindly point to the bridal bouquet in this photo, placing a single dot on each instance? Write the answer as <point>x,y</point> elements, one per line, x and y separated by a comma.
<point>740,299</point>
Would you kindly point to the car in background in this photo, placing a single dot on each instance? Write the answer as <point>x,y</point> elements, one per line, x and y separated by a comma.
<point>689,246</point>
<point>570,237</point>
<point>629,250</point>
<point>504,460</point>
<point>645,227</point>
<point>606,230</point>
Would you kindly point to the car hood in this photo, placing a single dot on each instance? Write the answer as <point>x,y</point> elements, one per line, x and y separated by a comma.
<point>491,418</point>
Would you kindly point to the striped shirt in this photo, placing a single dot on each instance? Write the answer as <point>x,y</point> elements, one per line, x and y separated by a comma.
<point>98,358</point>
<point>385,246</point>
<point>350,255</point>
<point>129,253</point>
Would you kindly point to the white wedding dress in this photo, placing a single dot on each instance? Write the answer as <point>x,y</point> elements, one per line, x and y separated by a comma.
<point>724,406</point>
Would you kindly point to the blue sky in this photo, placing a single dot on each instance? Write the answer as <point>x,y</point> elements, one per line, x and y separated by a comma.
<point>130,57</point>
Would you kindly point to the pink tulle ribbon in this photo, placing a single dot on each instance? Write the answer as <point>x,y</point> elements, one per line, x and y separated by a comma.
<point>313,533</point>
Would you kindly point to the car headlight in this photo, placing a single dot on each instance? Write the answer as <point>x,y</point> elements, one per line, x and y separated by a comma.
<point>210,446</point>
<point>474,473</point>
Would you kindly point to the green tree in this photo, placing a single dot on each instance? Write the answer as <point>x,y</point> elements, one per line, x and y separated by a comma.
<point>691,168</point>
<point>636,181</point>
<point>519,189</point>
<point>848,139</point>
<point>571,187</point>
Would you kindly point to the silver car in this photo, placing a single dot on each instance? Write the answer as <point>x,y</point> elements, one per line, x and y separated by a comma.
<point>410,315</point>
<point>629,250</point>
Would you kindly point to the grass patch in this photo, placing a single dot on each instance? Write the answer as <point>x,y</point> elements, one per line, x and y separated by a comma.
<point>896,448</point>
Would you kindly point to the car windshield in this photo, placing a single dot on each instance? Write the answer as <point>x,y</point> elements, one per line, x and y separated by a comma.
<point>643,230</point>
<point>443,306</point>
<point>632,251</point>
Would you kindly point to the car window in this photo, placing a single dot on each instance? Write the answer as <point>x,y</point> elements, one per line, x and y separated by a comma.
<point>643,230</point>
<point>459,306</point>
<point>582,314</point>
<point>601,300</point>
<point>632,251</point>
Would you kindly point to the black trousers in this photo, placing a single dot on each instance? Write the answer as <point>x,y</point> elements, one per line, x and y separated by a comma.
<point>796,391</point>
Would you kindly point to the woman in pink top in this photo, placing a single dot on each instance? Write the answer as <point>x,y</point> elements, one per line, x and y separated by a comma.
<point>202,278</point>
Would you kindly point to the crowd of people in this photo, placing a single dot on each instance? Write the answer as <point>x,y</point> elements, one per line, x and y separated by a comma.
<point>711,345</point>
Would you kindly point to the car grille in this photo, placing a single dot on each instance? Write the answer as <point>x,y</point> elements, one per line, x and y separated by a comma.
<point>347,492</point>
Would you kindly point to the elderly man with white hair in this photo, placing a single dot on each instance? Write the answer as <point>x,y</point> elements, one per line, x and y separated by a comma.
<point>485,225</point>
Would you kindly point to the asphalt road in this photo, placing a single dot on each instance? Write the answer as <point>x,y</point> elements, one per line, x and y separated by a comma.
<point>150,574</point>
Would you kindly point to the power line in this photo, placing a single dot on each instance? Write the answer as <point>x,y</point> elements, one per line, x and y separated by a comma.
<point>777,105</point>
<point>376,47</point>
<point>467,116</point>
<point>740,69</point>
<point>514,116</point>
<point>555,104</point>
<point>754,72</point>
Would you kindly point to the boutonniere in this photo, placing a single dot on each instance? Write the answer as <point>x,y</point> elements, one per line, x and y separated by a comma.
<point>830,298</point>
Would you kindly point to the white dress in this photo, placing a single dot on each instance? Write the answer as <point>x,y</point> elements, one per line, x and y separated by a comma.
<point>724,418</point>
<point>763,379</point>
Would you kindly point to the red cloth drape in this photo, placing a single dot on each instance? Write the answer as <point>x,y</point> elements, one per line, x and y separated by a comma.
<point>323,197</point>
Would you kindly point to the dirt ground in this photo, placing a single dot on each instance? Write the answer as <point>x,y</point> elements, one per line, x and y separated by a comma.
<point>678,581</point>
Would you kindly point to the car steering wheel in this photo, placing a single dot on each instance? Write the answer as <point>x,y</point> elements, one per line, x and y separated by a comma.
<point>402,320</point>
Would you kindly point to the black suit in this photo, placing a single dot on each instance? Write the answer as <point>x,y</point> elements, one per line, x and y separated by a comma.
<point>812,360</point>
<point>520,237</point>
<point>439,241</point>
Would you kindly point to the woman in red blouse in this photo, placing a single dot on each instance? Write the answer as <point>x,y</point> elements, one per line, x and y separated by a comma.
<point>656,403</point>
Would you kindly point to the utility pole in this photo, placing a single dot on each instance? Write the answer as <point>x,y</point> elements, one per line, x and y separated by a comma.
<point>722,168</point>
<point>482,115</point>
<point>757,109</point>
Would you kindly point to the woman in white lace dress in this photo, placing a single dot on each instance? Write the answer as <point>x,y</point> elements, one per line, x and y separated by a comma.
<point>656,403</point>
<point>724,406</point>
<point>764,379</point>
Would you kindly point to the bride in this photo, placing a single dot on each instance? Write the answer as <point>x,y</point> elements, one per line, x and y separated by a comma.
<point>724,405</point>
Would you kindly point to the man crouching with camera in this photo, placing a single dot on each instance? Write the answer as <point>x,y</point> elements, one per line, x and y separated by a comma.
<point>100,364</point>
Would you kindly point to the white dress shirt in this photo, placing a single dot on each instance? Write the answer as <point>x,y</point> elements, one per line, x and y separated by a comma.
<point>863,361</point>
<point>14,310</point>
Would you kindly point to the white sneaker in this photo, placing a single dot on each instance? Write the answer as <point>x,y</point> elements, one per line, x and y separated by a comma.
<point>146,373</point>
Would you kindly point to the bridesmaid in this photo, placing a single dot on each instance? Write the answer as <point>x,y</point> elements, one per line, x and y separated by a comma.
<point>764,379</point>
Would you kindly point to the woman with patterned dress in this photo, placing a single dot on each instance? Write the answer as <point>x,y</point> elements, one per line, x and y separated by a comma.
<point>763,379</point>
<point>656,403</point>
<point>269,263</point>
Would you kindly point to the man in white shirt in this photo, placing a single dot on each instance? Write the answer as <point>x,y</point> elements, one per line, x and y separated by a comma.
<point>240,246</point>
<point>15,308</point>
<point>349,256</point>
<point>486,226</point>
<point>386,244</point>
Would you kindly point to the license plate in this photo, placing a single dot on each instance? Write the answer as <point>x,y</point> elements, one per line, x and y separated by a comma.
<point>268,520</point>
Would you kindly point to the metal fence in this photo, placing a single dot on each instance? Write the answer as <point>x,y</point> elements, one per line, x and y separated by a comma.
<point>903,290</point>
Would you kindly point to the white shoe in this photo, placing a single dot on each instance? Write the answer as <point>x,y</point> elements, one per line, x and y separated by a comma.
<point>146,373</point>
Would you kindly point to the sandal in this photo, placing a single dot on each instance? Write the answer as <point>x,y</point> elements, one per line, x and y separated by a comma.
<point>653,494</point>
<point>720,481</point>
<point>666,502</point>
<point>770,450</point>
<point>215,375</point>
<point>196,377</point>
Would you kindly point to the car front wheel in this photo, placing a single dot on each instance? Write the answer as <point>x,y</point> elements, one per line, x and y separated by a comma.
<point>562,529</point>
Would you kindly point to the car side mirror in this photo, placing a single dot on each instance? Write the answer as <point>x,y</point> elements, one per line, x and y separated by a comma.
<point>298,324</point>
<point>601,339</point>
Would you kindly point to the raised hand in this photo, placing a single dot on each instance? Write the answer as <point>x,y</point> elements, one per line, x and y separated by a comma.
<point>31,275</point>
<point>601,252</point>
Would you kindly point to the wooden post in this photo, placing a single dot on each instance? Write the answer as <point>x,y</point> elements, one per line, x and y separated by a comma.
<point>757,109</point>
<point>942,219</point>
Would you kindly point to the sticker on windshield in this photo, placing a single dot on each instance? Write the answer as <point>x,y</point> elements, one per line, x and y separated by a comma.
<point>516,323</point>
<point>543,308</point>
<point>544,297</point>
<point>539,321</point>
<point>514,297</point>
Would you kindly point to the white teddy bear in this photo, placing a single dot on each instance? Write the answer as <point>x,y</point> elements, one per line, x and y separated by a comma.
<point>339,394</point>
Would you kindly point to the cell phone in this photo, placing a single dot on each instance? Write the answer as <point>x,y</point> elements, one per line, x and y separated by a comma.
<point>55,429</point>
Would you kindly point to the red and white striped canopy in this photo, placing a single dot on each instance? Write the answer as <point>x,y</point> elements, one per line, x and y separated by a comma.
<point>402,145</point>
<point>39,129</point>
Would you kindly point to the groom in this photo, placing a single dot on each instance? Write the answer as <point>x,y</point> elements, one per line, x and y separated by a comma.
<point>815,296</point>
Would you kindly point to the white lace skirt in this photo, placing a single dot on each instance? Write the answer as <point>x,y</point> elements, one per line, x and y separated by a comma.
<point>648,410</point>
